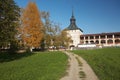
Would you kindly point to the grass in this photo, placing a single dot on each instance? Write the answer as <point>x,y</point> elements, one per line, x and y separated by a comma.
<point>105,62</point>
<point>37,66</point>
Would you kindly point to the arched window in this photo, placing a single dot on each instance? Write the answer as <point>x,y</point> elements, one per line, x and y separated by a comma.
<point>117,41</point>
<point>110,41</point>
<point>97,42</point>
<point>72,46</point>
<point>91,37</point>
<point>86,37</point>
<point>86,42</point>
<point>92,42</point>
<point>103,41</point>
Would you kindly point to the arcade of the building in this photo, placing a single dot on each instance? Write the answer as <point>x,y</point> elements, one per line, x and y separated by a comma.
<point>100,39</point>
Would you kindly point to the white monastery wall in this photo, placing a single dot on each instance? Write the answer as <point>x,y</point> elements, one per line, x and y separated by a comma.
<point>75,36</point>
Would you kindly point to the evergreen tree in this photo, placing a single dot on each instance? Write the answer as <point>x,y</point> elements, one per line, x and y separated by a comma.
<point>9,14</point>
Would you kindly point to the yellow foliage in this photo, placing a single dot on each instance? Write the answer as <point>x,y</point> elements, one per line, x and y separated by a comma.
<point>32,26</point>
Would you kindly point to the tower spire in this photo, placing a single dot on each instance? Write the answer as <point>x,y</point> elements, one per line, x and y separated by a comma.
<point>72,12</point>
<point>72,20</point>
<point>73,25</point>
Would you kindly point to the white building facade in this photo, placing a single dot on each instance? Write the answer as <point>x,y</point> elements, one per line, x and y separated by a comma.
<point>101,39</point>
<point>74,32</point>
<point>80,39</point>
<point>75,37</point>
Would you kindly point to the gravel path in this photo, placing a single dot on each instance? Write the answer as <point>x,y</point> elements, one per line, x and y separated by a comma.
<point>78,69</point>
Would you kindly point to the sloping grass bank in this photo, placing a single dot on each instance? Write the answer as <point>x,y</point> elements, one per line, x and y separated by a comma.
<point>105,62</point>
<point>38,66</point>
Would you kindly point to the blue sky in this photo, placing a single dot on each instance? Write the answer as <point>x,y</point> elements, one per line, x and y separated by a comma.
<point>92,16</point>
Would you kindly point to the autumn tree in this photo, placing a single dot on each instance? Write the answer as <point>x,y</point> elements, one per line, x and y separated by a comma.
<point>65,39</point>
<point>46,23</point>
<point>9,14</point>
<point>59,37</point>
<point>54,36</point>
<point>32,27</point>
<point>48,29</point>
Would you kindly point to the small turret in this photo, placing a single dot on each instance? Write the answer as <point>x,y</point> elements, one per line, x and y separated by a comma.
<point>74,32</point>
<point>73,25</point>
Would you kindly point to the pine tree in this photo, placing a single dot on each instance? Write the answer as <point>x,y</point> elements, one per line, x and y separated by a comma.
<point>9,14</point>
<point>32,27</point>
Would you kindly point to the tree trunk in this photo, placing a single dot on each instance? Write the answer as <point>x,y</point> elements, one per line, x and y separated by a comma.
<point>31,49</point>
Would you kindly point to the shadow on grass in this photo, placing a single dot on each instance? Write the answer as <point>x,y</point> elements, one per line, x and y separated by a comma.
<point>7,57</point>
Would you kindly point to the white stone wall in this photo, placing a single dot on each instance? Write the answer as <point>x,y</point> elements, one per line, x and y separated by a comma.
<point>75,36</point>
<point>102,41</point>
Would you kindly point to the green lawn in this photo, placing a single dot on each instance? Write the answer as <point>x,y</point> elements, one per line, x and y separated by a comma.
<point>37,66</point>
<point>105,62</point>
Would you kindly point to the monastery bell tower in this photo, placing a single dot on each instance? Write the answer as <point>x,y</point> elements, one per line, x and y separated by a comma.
<point>74,32</point>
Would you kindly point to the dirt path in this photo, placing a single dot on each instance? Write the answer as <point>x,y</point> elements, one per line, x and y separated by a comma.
<point>78,69</point>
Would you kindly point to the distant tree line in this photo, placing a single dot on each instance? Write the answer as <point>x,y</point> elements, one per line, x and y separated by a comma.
<point>28,28</point>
